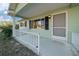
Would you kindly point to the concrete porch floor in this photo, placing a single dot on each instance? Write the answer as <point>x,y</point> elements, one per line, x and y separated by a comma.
<point>50,47</point>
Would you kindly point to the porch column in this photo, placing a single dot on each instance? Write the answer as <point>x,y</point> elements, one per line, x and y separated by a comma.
<point>13,23</point>
<point>28,24</point>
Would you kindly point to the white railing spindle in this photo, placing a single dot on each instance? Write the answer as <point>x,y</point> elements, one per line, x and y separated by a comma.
<point>33,37</point>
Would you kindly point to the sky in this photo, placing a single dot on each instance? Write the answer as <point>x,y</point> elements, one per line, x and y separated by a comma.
<point>4,12</point>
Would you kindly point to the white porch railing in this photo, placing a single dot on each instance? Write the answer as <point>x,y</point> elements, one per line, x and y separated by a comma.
<point>30,37</point>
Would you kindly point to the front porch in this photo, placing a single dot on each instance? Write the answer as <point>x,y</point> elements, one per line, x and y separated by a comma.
<point>46,46</point>
<point>43,24</point>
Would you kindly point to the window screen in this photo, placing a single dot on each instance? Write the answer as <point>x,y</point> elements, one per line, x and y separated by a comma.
<point>59,20</point>
<point>59,32</point>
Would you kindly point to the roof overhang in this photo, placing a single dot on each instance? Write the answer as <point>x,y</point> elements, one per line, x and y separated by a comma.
<point>36,9</point>
<point>12,7</point>
<point>32,10</point>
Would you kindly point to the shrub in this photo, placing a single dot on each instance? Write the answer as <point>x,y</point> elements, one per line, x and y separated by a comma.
<point>7,30</point>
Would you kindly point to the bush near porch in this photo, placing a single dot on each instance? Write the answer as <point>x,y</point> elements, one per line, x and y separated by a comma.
<point>9,46</point>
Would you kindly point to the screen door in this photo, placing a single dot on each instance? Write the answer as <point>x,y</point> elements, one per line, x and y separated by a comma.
<point>59,25</point>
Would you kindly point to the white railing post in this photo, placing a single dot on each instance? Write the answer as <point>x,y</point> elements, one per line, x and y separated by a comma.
<point>38,44</point>
<point>28,24</point>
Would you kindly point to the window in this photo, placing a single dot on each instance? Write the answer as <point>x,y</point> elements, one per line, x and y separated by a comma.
<point>25,23</point>
<point>21,24</point>
<point>39,23</point>
<point>17,26</point>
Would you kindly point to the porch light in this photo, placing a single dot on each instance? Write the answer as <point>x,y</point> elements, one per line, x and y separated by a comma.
<point>49,16</point>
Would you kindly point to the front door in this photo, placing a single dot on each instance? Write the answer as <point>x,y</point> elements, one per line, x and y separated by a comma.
<point>59,26</point>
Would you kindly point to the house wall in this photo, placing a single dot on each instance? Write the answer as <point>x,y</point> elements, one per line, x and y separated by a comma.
<point>73,23</point>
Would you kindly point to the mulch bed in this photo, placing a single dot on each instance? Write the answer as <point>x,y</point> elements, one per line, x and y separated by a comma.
<point>13,48</point>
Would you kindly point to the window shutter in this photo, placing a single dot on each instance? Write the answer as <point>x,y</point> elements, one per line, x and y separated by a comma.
<point>25,23</point>
<point>46,23</point>
<point>30,23</point>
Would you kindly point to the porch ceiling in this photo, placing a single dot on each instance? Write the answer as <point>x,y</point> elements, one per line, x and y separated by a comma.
<point>36,9</point>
